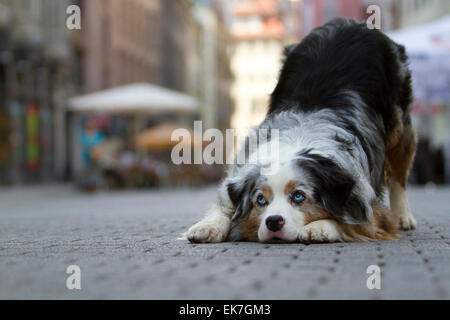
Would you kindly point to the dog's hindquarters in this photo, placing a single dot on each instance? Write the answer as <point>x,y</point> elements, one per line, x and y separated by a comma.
<point>400,150</point>
<point>400,153</point>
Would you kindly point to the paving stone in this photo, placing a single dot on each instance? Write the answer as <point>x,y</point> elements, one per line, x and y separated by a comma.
<point>126,246</point>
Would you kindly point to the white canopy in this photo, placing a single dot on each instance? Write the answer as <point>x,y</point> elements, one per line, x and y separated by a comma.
<point>428,47</point>
<point>134,98</point>
<point>429,38</point>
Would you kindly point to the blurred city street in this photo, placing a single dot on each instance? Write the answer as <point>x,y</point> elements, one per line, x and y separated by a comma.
<point>93,97</point>
<point>126,247</point>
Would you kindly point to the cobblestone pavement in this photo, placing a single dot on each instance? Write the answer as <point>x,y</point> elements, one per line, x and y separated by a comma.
<point>125,244</point>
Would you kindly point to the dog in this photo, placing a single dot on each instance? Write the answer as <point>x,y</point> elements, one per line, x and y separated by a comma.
<point>342,107</point>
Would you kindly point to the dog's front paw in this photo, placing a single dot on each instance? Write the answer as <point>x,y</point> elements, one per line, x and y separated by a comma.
<point>407,222</point>
<point>205,231</point>
<point>320,231</point>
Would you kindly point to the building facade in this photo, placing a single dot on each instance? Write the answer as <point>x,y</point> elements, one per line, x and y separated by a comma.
<point>210,73</point>
<point>258,36</point>
<point>38,69</point>
<point>118,47</point>
<point>408,12</point>
<point>180,45</point>
<point>318,12</point>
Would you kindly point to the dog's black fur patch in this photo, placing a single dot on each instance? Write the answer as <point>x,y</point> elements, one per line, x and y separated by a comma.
<point>240,194</point>
<point>344,55</point>
<point>333,187</point>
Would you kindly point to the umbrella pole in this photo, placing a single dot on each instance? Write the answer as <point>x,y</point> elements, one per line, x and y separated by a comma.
<point>135,130</point>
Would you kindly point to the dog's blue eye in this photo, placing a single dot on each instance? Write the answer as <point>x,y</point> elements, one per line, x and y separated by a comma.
<point>261,200</point>
<point>298,197</point>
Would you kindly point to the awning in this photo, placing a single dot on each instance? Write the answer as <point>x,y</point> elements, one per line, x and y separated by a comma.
<point>428,48</point>
<point>132,99</point>
<point>431,38</point>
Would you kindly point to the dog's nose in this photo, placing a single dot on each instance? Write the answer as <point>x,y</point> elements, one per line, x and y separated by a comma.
<point>274,223</point>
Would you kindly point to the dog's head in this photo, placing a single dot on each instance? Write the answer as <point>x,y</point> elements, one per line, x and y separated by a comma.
<point>306,188</point>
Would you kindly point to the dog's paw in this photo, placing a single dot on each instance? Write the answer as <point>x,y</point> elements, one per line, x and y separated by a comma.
<point>205,231</point>
<point>320,231</point>
<point>407,222</point>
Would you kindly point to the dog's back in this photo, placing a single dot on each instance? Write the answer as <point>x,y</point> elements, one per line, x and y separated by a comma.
<point>340,57</point>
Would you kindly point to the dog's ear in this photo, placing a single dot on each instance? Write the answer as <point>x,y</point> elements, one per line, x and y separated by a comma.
<point>334,189</point>
<point>240,193</point>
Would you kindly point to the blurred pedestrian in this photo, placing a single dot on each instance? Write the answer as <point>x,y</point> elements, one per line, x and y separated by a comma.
<point>91,140</point>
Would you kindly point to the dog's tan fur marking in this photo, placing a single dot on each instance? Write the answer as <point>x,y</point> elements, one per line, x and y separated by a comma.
<point>267,192</point>
<point>313,212</point>
<point>400,151</point>
<point>249,227</point>
<point>290,186</point>
<point>383,226</point>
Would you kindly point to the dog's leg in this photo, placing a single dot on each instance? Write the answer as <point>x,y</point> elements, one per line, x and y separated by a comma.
<point>213,228</point>
<point>400,206</point>
<point>325,230</point>
<point>400,153</point>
